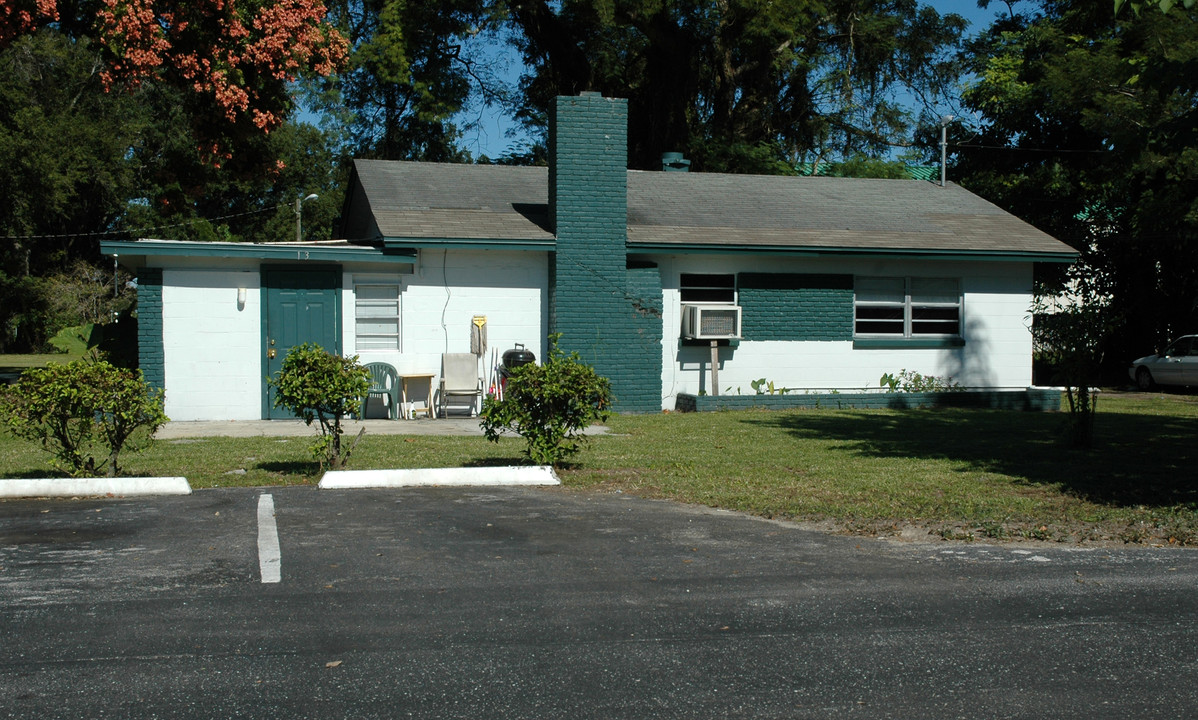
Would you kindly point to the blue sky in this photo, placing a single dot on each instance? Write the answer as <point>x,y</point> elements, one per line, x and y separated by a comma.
<point>488,133</point>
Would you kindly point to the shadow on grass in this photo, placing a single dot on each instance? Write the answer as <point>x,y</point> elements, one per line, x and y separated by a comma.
<point>302,468</point>
<point>497,461</point>
<point>1136,459</point>
<point>36,475</point>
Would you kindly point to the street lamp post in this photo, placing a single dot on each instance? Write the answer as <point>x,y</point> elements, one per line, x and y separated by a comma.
<point>299,217</point>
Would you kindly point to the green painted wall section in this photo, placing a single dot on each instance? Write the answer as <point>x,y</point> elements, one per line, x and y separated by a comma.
<point>642,359</point>
<point>609,314</point>
<point>794,306</point>
<point>150,356</point>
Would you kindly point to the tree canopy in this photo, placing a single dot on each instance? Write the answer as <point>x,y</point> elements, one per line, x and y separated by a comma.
<point>1164,5</point>
<point>233,58</point>
<point>178,119</point>
<point>1090,131</point>
<point>80,161</point>
<point>408,75</point>
<point>738,85</point>
<point>741,85</point>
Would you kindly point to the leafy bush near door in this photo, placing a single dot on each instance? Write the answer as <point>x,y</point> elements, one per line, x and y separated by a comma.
<point>85,413</point>
<point>321,387</point>
<point>549,405</point>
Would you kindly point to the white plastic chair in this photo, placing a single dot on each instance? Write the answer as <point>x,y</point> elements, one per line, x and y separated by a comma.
<point>460,379</point>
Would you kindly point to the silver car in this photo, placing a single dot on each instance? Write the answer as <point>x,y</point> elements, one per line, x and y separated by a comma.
<point>1177,365</point>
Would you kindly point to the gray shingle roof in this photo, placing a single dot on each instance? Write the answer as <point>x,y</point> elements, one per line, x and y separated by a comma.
<point>693,210</point>
<point>440,200</point>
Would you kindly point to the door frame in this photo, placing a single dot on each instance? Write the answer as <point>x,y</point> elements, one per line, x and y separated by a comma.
<point>336,275</point>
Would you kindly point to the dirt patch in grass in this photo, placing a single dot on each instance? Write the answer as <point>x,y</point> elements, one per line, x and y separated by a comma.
<point>1153,532</point>
<point>1048,534</point>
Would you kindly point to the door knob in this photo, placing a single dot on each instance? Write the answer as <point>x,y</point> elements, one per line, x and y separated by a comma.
<point>270,354</point>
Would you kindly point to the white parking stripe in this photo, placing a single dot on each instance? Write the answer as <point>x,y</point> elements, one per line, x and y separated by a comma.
<point>269,555</point>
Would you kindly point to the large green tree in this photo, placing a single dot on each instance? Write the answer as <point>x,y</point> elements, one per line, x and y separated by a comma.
<point>742,85</point>
<point>409,75</point>
<point>145,117</point>
<point>80,161</point>
<point>1090,132</point>
<point>212,80</point>
<point>63,171</point>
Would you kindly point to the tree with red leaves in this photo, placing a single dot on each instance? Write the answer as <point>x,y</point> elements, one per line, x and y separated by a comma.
<point>235,57</point>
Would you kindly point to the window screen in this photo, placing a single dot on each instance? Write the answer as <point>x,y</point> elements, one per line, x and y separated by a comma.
<point>707,288</point>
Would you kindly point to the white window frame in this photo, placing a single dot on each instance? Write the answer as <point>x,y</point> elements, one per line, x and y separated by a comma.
<point>379,341</point>
<point>911,325</point>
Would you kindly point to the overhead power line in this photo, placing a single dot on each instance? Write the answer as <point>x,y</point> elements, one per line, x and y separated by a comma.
<point>145,230</point>
<point>1024,149</point>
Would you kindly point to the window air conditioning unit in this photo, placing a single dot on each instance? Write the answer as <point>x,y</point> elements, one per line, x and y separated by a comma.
<point>711,322</point>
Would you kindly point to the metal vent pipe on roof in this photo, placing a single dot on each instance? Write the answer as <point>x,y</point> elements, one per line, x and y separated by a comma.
<point>674,162</point>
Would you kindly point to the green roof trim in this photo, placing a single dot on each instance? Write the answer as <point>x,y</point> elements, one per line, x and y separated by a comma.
<point>413,244</point>
<point>252,251</point>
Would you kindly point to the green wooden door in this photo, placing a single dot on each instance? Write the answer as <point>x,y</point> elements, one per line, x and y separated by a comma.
<point>300,305</point>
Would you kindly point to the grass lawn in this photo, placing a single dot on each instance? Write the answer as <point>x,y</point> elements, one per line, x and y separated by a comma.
<point>17,363</point>
<point>960,474</point>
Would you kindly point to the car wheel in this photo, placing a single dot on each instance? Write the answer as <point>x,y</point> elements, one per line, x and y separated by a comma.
<point>1143,379</point>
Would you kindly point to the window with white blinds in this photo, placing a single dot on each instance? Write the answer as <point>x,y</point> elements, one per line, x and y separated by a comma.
<point>376,316</point>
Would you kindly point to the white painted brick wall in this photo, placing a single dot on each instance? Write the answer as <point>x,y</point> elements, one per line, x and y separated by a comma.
<point>509,288</point>
<point>211,346</point>
<point>214,369</point>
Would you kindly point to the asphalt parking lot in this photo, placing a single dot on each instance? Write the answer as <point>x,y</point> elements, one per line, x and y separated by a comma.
<point>536,603</point>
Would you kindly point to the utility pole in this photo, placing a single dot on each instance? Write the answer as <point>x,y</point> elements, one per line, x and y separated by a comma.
<point>944,121</point>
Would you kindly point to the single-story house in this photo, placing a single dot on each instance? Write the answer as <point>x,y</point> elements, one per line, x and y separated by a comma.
<point>812,283</point>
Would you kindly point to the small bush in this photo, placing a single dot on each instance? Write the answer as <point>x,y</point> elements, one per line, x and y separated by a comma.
<point>763,387</point>
<point>319,386</point>
<point>549,405</point>
<point>85,413</point>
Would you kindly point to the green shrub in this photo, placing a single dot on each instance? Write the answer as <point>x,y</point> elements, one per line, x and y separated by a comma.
<point>77,340</point>
<point>549,405</point>
<point>1071,340</point>
<point>83,410</point>
<point>763,386</point>
<point>319,386</point>
<point>911,381</point>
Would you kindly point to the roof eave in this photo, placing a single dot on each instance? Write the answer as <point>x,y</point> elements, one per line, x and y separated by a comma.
<point>253,251</point>
<point>878,253</point>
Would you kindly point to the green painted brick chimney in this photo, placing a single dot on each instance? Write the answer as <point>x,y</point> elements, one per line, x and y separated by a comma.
<point>609,314</point>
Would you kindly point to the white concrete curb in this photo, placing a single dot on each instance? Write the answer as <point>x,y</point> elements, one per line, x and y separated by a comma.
<point>425,477</point>
<point>91,487</point>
